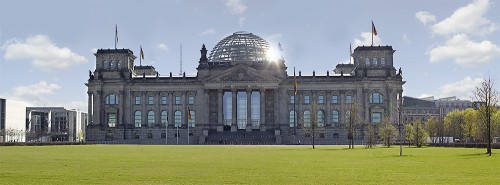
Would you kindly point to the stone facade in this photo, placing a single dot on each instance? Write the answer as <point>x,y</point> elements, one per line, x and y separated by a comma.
<point>236,102</point>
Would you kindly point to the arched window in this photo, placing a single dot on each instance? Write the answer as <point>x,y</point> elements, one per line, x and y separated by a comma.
<point>347,116</point>
<point>375,61</point>
<point>191,118</point>
<point>137,119</point>
<point>164,118</point>
<point>151,118</point>
<point>321,118</point>
<point>112,64</point>
<point>111,99</point>
<point>105,64</point>
<point>307,118</point>
<point>292,119</point>
<point>335,117</point>
<point>119,64</point>
<point>177,118</point>
<point>367,61</point>
<point>376,98</point>
<point>382,61</point>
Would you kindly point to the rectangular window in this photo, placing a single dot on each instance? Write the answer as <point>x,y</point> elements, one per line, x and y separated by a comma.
<point>306,99</point>
<point>190,100</point>
<point>177,100</point>
<point>151,100</point>
<point>376,117</point>
<point>163,135</point>
<point>111,119</point>
<point>292,99</point>
<point>164,100</point>
<point>335,99</point>
<point>348,99</point>
<point>137,100</point>
<point>321,99</point>
<point>150,135</point>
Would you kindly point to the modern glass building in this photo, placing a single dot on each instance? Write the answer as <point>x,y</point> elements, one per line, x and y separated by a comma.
<point>240,96</point>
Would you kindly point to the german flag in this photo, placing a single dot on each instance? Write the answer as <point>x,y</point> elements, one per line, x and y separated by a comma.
<point>142,54</point>
<point>374,30</point>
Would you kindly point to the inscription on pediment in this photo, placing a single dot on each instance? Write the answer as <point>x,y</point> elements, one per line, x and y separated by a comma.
<point>242,75</point>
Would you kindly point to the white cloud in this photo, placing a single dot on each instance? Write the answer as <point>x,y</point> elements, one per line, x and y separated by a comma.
<point>464,51</point>
<point>210,31</point>
<point>77,105</point>
<point>33,94</point>
<point>241,21</point>
<point>425,17</point>
<point>162,47</point>
<point>43,54</point>
<point>236,6</point>
<point>461,89</point>
<point>93,50</point>
<point>366,40</point>
<point>468,19</point>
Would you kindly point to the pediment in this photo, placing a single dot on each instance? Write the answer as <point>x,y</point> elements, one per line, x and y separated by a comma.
<point>242,73</point>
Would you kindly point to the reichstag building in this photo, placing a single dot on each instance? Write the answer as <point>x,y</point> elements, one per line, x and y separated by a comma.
<point>239,96</point>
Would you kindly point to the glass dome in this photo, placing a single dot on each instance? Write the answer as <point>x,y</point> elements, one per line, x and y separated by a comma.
<point>240,46</point>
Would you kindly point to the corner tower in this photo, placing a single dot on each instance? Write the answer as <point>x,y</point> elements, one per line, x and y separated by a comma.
<point>114,64</point>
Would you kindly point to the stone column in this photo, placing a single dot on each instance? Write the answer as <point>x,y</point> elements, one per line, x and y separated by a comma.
<point>144,114</point>
<point>184,109</point>
<point>170,113</point>
<point>276,119</point>
<point>234,125</point>
<point>328,111</point>
<point>220,118</point>
<point>342,110</point>
<point>99,108</point>
<point>121,111</point>
<point>90,110</point>
<point>262,109</point>
<point>365,105</point>
<point>157,108</point>
<point>249,125</point>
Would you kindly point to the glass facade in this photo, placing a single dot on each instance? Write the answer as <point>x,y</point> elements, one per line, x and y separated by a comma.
<point>151,118</point>
<point>137,119</point>
<point>177,118</point>
<point>293,118</point>
<point>164,118</point>
<point>227,101</point>
<point>241,111</point>
<point>335,117</point>
<point>255,109</point>
<point>307,118</point>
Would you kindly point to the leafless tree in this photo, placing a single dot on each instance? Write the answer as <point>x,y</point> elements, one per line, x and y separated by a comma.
<point>371,135</point>
<point>354,120</point>
<point>486,94</point>
<point>313,125</point>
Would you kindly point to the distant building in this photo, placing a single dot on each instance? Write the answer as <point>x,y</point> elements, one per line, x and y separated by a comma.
<point>424,108</point>
<point>55,124</point>
<point>12,120</point>
<point>239,95</point>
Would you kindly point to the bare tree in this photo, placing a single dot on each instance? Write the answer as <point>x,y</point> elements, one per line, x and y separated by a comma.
<point>313,124</point>
<point>387,133</point>
<point>486,94</point>
<point>353,122</point>
<point>371,135</point>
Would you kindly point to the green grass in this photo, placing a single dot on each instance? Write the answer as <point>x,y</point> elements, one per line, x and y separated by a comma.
<point>150,164</point>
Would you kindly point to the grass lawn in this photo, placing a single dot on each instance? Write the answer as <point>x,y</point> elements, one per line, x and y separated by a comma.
<point>156,164</point>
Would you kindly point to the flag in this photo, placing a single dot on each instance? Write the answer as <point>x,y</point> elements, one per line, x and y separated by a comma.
<point>116,33</point>
<point>142,53</point>
<point>189,114</point>
<point>374,30</point>
<point>279,45</point>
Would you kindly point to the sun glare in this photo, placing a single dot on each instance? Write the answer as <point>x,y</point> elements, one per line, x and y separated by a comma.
<point>273,54</point>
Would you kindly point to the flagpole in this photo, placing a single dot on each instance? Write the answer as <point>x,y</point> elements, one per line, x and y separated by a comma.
<point>372,32</point>
<point>350,53</point>
<point>188,123</point>
<point>166,132</point>
<point>140,55</point>
<point>116,34</point>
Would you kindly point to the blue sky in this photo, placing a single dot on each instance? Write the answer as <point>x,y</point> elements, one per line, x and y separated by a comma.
<point>444,47</point>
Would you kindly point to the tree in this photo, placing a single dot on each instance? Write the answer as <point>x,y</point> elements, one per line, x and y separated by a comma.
<point>353,121</point>
<point>387,133</point>
<point>408,133</point>
<point>313,124</point>
<point>433,128</point>
<point>419,135</point>
<point>486,94</point>
<point>453,124</point>
<point>470,125</point>
<point>371,135</point>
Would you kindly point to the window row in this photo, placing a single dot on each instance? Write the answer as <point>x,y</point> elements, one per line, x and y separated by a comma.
<point>375,61</point>
<point>375,98</point>
<point>112,64</point>
<point>376,117</point>
<point>112,99</point>
<point>150,119</point>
